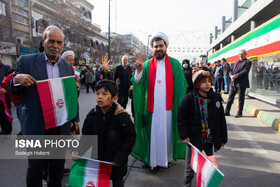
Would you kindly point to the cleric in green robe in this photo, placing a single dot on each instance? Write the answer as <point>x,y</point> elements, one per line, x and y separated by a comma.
<point>159,85</point>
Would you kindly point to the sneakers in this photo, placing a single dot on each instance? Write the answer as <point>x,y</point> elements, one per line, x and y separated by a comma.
<point>227,114</point>
<point>4,132</point>
<point>66,171</point>
<point>146,166</point>
<point>238,116</point>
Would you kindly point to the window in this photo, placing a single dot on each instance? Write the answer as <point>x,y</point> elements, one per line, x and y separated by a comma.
<point>20,11</point>
<point>5,33</point>
<point>20,19</point>
<point>20,34</point>
<point>2,8</point>
<point>23,2</point>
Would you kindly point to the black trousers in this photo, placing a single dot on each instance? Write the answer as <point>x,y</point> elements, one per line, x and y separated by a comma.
<point>232,92</point>
<point>6,125</point>
<point>35,172</point>
<point>208,149</point>
<point>123,95</point>
<point>118,182</point>
<point>92,87</point>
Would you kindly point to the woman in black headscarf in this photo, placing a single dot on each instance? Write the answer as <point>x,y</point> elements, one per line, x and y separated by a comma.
<point>188,74</point>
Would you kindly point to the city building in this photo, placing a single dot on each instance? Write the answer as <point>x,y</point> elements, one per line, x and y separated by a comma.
<point>23,22</point>
<point>127,44</point>
<point>255,27</point>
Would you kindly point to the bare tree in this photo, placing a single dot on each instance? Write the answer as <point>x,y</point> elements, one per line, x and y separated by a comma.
<point>119,48</point>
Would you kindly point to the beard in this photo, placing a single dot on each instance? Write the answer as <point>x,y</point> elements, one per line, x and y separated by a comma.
<point>159,54</point>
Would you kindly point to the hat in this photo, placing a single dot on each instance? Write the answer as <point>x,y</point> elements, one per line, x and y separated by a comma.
<point>199,76</point>
<point>67,53</point>
<point>162,36</point>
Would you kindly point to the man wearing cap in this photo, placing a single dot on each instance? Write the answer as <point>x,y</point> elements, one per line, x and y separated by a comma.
<point>69,56</point>
<point>159,86</point>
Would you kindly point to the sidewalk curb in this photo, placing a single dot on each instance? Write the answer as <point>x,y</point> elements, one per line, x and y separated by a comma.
<point>265,117</point>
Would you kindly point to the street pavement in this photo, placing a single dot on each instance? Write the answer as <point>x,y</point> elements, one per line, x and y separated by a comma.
<point>249,159</point>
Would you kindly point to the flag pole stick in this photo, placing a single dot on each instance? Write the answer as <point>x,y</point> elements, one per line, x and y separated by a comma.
<point>206,158</point>
<point>50,79</point>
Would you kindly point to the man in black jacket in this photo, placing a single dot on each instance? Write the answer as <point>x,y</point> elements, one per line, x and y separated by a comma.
<point>239,82</point>
<point>123,79</point>
<point>201,120</point>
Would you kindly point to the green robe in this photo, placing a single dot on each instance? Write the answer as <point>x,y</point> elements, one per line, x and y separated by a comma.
<point>143,118</point>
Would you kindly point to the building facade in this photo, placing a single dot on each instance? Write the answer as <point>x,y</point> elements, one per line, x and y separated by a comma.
<point>133,46</point>
<point>255,27</point>
<point>23,22</point>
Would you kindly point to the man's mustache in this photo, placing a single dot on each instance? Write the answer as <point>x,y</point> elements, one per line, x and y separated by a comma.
<point>159,51</point>
<point>54,49</point>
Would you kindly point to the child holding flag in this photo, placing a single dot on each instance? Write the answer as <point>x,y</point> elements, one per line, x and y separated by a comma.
<point>201,119</point>
<point>115,130</point>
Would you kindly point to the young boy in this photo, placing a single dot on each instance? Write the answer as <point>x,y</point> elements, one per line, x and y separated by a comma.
<point>115,130</point>
<point>201,119</point>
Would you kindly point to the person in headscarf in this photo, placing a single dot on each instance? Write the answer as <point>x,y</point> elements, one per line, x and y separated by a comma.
<point>188,74</point>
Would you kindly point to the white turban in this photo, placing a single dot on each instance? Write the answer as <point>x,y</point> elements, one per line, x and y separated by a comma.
<point>67,53</point>
<point>160,35</point>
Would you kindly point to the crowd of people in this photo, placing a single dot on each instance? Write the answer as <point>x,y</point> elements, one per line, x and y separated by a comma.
<point>173,104</point>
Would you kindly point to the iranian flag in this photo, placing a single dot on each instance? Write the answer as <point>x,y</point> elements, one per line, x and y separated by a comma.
<point>90,173</point>
<point>59,100</point>
<point>77,73</point>
<point>207,174</point>
<point>263,40</point>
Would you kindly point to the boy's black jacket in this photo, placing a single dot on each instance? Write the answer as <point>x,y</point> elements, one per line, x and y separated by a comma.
<point>116,136</point>
<point>189,119</point>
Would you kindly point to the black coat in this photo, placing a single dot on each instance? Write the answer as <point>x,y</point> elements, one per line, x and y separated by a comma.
<point>241,73</point>
<point>116,136</point>
<point>188,75</point>
<point>189,119</point>
<point>119,76</point>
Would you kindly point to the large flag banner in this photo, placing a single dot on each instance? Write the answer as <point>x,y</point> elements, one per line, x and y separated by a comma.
<point>59,100</point>
<point>90,173</point>
<point>263,40</point>
<point>77,73</point>
<point>207,173</point>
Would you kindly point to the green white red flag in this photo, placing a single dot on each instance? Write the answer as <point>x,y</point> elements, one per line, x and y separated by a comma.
<point>208,175</point>
<point>90,173</point>
<point>77,73</point>
<point>263,40</point>
<point>59,100</point>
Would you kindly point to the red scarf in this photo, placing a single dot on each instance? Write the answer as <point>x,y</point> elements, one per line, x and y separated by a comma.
<point>6,108</point>
<point>168,80</point>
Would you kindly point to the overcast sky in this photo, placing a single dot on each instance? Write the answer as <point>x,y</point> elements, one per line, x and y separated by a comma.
<point>188,23</point>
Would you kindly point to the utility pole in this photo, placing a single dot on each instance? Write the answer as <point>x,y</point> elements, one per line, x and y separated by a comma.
<point>148,47</point>
<point>109,55</point>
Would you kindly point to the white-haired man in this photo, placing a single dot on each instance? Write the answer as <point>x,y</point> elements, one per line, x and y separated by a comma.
<point>159,86</point>
<point>122,77</point>
<point>69,56</point>
<point>239,82</point>
<point>30,69</point>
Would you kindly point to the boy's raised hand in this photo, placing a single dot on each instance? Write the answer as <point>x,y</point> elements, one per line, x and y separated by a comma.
<point>186,141</point>
<point>74,155</point>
